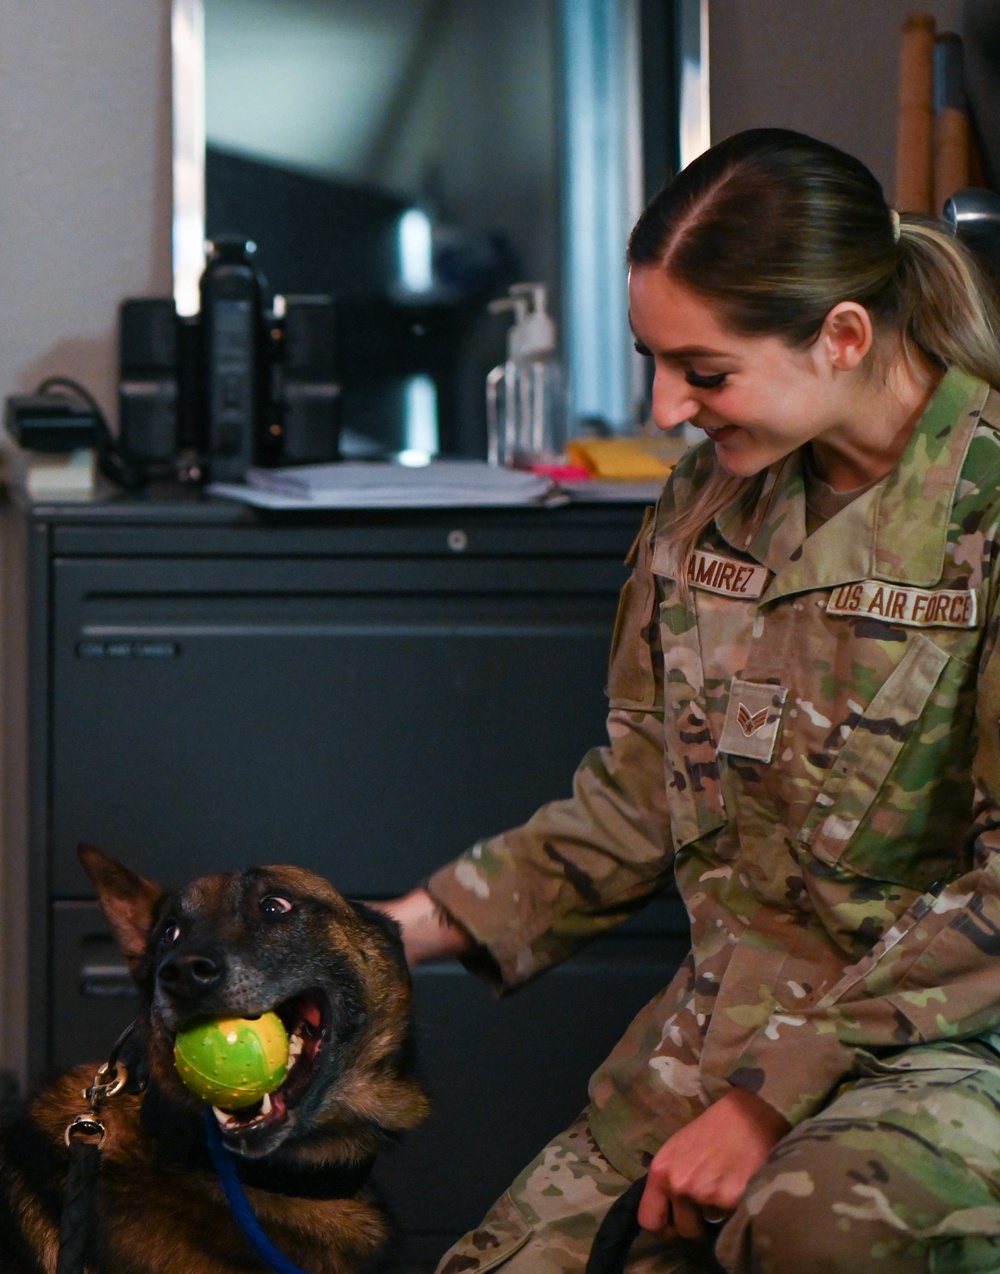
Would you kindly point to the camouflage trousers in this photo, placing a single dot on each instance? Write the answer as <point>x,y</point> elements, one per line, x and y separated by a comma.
<point>899,1173</point>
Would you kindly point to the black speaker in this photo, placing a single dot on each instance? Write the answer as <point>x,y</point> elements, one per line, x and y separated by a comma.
<point>310,392</point>
<point>147,390</point>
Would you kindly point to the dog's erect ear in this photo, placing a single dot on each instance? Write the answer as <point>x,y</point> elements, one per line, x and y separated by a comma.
<point>128,901</point>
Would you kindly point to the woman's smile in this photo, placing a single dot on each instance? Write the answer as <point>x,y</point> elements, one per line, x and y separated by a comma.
<point>758,398</point>
<point>716,432</point>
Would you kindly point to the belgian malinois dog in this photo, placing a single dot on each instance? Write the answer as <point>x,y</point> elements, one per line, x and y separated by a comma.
<point>230,945</point>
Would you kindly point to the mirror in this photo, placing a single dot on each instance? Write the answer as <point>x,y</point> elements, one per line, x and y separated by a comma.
<point>415,160</point>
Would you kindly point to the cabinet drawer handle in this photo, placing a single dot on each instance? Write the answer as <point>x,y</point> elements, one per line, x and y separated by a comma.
<point>107,981</point>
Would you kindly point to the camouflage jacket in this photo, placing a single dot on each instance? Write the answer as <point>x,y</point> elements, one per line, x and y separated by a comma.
<point>810,745</point>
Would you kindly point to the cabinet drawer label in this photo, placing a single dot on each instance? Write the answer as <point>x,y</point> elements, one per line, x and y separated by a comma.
<point>127,649</point>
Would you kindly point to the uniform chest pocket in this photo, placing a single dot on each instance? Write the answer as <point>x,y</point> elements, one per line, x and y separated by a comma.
<point>890,804</point>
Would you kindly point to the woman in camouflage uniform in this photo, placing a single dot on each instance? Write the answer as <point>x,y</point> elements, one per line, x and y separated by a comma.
<point>804,732</point>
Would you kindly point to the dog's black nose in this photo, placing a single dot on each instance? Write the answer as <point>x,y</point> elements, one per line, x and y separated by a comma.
<point>189,974</point>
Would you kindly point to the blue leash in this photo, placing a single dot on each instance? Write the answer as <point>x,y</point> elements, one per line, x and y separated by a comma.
<point>225,1166</point>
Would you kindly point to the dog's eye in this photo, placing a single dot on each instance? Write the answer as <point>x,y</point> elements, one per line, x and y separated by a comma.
<point>171,934</point>
<point>272,905</point>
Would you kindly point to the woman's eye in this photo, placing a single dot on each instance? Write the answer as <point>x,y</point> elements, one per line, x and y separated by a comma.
<point>272,905</point>
<point>716,381</point>
<point>171,933</point>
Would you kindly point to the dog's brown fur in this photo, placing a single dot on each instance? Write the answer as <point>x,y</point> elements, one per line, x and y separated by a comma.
<point>160,1208</point>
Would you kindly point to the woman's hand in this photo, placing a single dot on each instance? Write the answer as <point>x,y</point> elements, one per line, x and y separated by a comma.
<point>429,933</point>
<point>703,1170</point>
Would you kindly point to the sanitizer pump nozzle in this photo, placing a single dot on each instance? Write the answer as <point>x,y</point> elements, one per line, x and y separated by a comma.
<point>525,400</point>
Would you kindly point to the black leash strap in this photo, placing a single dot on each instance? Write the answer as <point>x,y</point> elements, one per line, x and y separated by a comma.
<point>84,1137</point>
<point>617,1232</point>
<point>620,1229</point>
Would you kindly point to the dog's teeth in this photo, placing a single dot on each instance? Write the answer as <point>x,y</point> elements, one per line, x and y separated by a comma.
<point>223,1118</point>
<point>265,1105</point>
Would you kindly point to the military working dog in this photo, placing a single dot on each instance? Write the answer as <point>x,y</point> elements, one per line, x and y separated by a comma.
<point>237,944</point>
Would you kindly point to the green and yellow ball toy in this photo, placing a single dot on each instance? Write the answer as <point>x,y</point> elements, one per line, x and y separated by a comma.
<point>232,1062</point>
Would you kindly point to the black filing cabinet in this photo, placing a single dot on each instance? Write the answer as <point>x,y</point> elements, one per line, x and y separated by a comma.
<point>194,686</point>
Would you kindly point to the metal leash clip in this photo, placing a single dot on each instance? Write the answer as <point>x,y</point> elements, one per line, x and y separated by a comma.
<point>88,1129</point>
<point>111,1078</point>
<point>114,1075</point>
<point>85,1129</point>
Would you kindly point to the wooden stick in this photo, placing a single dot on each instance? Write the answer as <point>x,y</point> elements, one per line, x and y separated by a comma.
<point>951,154</point>
<point>915,136</point>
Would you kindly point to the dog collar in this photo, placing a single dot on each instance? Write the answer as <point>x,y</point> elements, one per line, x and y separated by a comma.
<point>335,1182</point>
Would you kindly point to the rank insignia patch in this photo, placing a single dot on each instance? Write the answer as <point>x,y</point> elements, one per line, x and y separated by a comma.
<point>752,719</point>
<point>750,722</point>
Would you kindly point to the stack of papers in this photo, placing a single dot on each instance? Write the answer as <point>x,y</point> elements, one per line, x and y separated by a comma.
<point>360,485</point>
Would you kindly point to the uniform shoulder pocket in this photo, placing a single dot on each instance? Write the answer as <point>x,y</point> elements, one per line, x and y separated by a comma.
<point>634,677</point>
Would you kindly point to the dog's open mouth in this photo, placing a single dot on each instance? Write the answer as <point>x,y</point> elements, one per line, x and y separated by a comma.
<point>306,1020</point>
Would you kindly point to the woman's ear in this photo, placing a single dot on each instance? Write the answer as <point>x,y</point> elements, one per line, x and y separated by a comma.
<point>846,336</point>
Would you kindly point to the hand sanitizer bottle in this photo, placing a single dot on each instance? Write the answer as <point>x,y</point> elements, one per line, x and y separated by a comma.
<point>525,396</point>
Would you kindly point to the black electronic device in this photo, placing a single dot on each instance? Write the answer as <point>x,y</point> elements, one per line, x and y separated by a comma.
<point>50,422</point>
<point>245,382</point>
<point>232,331</point>
<point>148,388</point>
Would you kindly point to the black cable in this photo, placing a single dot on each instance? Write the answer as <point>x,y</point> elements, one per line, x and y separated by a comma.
<point>74,386</point>
<point>112,458</point>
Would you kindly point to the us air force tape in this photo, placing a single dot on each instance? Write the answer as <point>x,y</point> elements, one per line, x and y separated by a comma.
<point>913,607</point>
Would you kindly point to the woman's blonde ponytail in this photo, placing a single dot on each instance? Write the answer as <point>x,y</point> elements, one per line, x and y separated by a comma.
<point>946,307</point>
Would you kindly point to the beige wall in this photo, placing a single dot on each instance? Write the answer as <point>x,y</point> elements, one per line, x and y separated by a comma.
<point>84,181</point>
<point>826,67</point>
